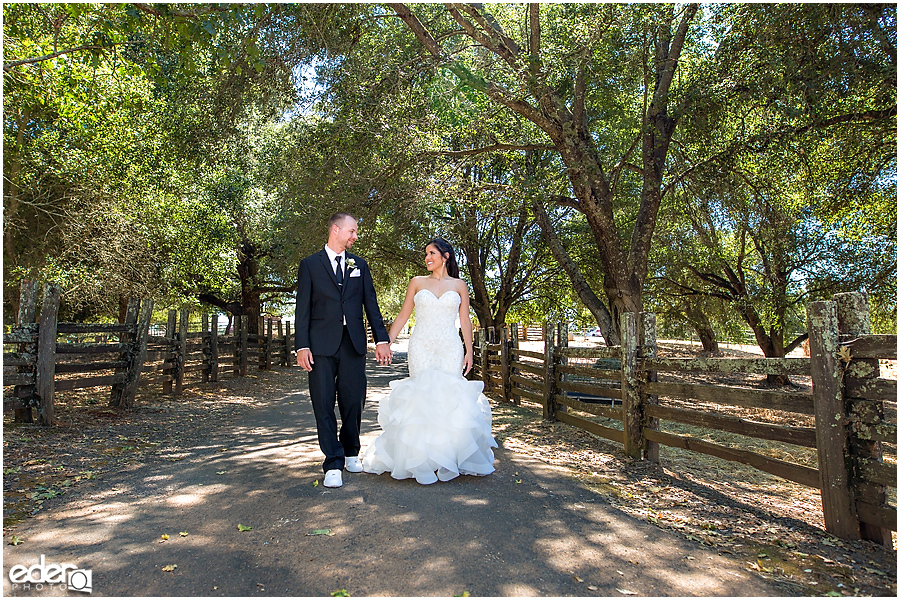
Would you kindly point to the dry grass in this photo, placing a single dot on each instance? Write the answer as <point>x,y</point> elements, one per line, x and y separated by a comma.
<point>734,507</point>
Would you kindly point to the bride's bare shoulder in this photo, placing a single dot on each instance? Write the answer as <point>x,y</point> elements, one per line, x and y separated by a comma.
<point>415,284</point>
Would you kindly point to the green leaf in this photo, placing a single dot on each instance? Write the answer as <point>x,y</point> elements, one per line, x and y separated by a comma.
<point>320,532</point>
<point>244,527</point>
<point>341,593</point>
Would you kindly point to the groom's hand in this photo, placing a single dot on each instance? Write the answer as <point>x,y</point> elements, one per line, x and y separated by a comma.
<point>305,359</point>
<point>383,354</point>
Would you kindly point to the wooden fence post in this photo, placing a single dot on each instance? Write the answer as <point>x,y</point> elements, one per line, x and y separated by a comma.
<point>244,346</point>
<point>45,366</point>
<point>514,343</point>
<point>831,433</point>
<point>170,342</point>
<point>485,363</point>
<point>632,416</point>
<point>180,351</point>
<point>562,341</point>
<point>648,351</point>
<point>289,359</point>
<point>261,344</point>
<point>214,348</point>
<point>853,320</point>
<point>550,370</point>
<point>504,363</point>
<point>124,396</point>
<point>282,357</point>
<point>117,393</point>
<point>268,359</point>
<point>204,344</point>
<point>238,325</point>
<point>28,292</point>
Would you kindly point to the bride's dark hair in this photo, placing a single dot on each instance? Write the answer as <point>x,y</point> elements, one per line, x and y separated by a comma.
<point>444,247</point>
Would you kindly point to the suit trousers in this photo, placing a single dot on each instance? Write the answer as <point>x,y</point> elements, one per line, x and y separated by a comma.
<point>341,377</point>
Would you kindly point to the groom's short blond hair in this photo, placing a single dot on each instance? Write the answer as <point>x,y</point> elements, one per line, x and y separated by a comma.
<point>338,218</point>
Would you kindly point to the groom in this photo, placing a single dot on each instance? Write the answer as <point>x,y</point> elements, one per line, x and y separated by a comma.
<point>333,288</point>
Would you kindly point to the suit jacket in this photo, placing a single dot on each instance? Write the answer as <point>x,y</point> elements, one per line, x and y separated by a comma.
<point>322,305</point>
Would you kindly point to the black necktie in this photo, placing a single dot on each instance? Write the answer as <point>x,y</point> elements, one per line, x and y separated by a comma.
<point>340,271</point>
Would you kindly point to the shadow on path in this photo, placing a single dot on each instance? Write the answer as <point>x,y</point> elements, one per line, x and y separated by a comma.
<point>526,530</point>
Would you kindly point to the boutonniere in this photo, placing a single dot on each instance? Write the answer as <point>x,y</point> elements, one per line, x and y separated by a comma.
<point>351,263</point>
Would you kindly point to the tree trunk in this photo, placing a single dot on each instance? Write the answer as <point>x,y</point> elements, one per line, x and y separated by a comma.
<point>770,342</point>
<point>247,268</point>
<point>123,308</point>
<point>582,288</point>
<point>471,249</point>
<point>700,322</point>
<point>564,121</point>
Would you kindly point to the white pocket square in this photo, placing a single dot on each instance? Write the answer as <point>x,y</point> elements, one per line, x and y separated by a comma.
<point>355,273</point>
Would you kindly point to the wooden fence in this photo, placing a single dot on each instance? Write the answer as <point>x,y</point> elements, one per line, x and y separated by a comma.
<point>847,418</point>
<point>42,356</point>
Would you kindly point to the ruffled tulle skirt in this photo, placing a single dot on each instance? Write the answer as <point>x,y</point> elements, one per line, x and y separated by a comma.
<point>436,426</point>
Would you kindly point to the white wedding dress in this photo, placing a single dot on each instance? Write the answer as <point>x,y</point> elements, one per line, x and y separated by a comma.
<point>436,424</point>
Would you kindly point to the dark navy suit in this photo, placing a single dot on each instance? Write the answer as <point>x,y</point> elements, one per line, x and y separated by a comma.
<point>339,351</point>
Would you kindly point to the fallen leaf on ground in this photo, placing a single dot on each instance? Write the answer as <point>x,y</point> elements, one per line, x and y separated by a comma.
<point>163,537</point>
<point>15,540</point>
<point>183,533</point>
<point>320,532</point>
<point>244,527</point>
<point>624,592</point>
<point>316,483</point>
<point>578,579</point>
<point>341,593</point>
<point>170,568</point>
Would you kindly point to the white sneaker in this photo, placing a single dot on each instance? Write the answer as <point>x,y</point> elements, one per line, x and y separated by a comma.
<point>333,478</point>
<point>353,464</point>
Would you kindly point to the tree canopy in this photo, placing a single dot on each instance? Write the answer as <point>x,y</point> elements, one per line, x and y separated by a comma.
<point>719,164</point>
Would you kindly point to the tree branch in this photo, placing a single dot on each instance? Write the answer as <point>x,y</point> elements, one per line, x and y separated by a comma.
<point>566,201</point>
<point>491,148</point>
<point>793,345</point>
<point>234,308</point>
<point>489,88</point>
<point>30,61</point>
<point>534,37</point>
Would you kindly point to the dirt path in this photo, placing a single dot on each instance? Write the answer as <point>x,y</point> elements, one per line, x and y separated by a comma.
<point>529,529</point>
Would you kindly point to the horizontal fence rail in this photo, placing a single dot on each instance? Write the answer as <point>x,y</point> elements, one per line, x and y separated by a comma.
<point>42,356</point>
<point>629,395</point>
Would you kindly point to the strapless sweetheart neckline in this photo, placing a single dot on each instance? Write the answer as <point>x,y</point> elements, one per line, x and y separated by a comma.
<point>436,297</point>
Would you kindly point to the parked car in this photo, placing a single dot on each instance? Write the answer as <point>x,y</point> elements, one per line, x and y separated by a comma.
<point>593,332</point>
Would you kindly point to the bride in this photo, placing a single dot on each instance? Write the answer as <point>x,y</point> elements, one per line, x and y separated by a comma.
<point>436,424</point>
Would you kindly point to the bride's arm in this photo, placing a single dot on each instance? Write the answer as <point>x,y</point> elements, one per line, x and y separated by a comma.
<point>405,310</point>
<point>465,323</point>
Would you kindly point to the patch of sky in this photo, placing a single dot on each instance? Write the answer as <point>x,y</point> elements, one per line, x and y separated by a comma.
<point>309,90</point>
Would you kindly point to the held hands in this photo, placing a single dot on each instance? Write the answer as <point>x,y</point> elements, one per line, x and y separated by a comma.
<point>383,354</point>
